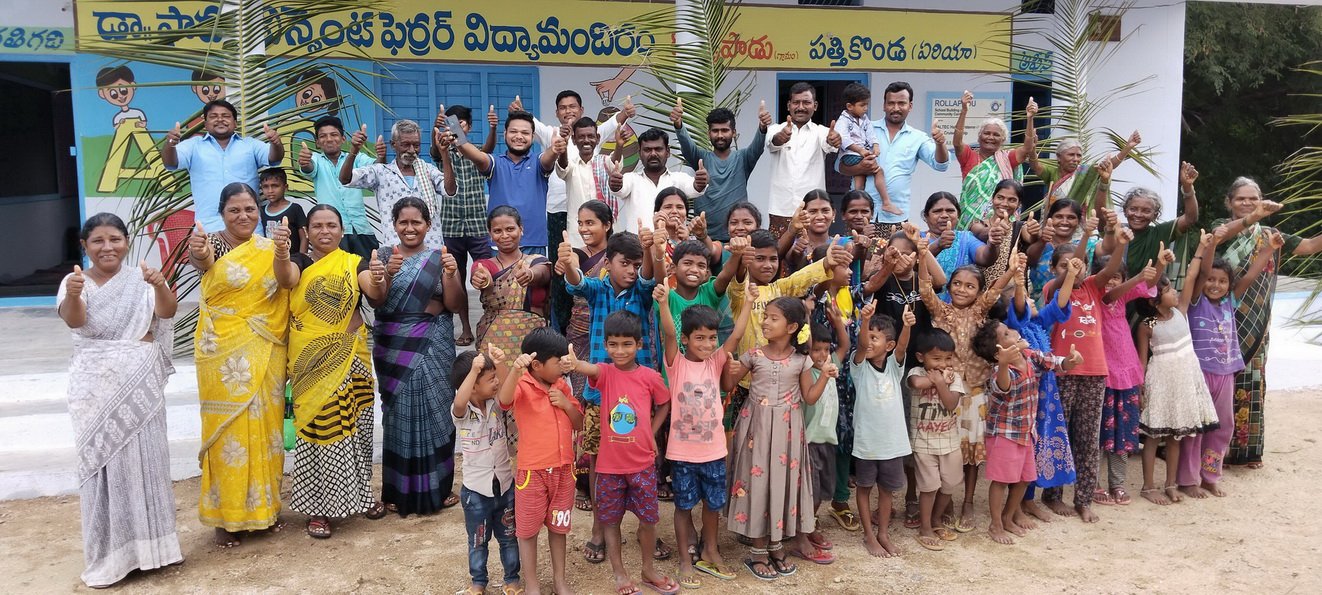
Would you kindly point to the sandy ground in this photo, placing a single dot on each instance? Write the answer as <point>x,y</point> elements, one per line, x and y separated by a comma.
<point>1263,537</point>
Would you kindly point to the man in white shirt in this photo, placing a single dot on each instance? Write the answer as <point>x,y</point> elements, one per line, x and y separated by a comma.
<point>586,175</point>
<point>636,191</point>
<point>797,150</point>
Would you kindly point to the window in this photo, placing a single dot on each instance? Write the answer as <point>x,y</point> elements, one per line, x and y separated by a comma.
<point>416,91</point>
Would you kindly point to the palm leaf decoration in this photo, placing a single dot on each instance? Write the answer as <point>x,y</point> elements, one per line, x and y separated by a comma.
<point>252,46</point>
<point>687,62</point>
<point>1066,35</point>
<point>1301,193</point>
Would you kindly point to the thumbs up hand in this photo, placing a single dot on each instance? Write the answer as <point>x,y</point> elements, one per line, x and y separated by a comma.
<point>359,138</point>
<point>522,274</point>
<point>395,262</point>
<point>560,144</point>
<point>197,242</point>
<point>938,135</point>
<point>271,135</point>
<point>492,119</point>
<point>833,137</point>
<point>763,116</point>
<point>700,177</point>
<point>629,110</point>
<point>74,286</point>
<point>377,269</point>
<point>1074,359</point>
<point>173,135</point>
<point>380,146</point>
<point>677,113</point>
<point>152,276</point>
<point>281,239</point>
<point>783,135</point>
<point>304,156</point>
<point>616,177</point>
<point>516,105</point>
<point>566,258</point>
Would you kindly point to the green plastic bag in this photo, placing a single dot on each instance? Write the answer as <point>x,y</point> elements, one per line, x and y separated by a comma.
<point>290,432</point>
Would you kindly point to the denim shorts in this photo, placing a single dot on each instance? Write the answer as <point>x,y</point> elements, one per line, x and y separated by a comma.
<point>694,482</point>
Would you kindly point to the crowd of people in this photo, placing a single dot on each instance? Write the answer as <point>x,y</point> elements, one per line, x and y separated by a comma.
<point>644,338</point>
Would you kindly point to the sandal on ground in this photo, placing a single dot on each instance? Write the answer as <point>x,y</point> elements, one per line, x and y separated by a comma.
<point>450,501</point>
<point>931,543</point>
<point>594,553</point>
<point>945,534</point>
<point>782,567</point>
<point>846,518</point>
<point>768,573</point>
<point>690,582</point>
<point>820,541</point>
<point>319,528</point>
<point>515,589</point>
<point>471,590</point>
<point>714,570</point>
<point>912,522</point>
<point>376,512</point>
<point>1120,496</point>
<point>664,494</point>
<point>1103,497</point>
<point>956,525</point>
<point>225,539</point>
<point>662,551</point>
<point>668,586</point>
<point>463,341</point>
<point>583,502</point>
<point>629,589</point>
<point>816,556</point>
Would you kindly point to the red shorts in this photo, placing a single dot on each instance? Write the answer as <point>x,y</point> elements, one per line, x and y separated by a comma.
<point>1009,462</point>
<point>543,497</point>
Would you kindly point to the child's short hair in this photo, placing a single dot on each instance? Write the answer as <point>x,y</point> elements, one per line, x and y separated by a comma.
<point>762,238</point>
<point>273,172</point>
<point>933,338</point>
<point>821,334</point>
<point>855,92</point>
<point>1099,262</point>
<point>885,324</point>
<point>974,270</point>
<point>546,343</point>
<point>984,341</point>
<point>819,252</point>
<point>1222,264</point>
<point>699,317</point>
<point>625,244</point>
<point>1147,306</point>
<point>1060,252</point>
<point>623,323</point>
<point>690,247</point>
<point>463,364</point>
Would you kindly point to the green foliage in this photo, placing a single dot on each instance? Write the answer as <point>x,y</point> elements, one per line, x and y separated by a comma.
<point>1242,75</point>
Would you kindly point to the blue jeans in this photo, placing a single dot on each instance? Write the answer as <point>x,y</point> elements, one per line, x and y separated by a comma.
<point>484,517</point>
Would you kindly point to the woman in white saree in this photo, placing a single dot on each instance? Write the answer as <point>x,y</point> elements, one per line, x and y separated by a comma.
<point>122,337</point>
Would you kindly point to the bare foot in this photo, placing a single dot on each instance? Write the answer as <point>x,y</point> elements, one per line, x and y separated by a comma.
<point>1086,513</point>
<point>1059,507</point>
<point>1173,493</point>
<point>1193,492</point>
<point>891,549</point>
<point>562,587</point>
<point>1036,511</point>
<point>1010,526</point>
<point>1214,489</point>
<point>892,209</point>
<point>1254,465</point>
<point>874,547</point>
<point>1155,496</point>
<point>225,539</point>
<point>966,511</point>
<point>999,535</point>
<point>1024,521</point>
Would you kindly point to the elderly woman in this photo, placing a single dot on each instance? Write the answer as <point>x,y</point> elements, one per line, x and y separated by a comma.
<point>1142,208</point>
<point>414,353</point>
<point>1070,177</point>
<point>1245,237</point>
<point>989,164</point>
<point>330,370</point>
<point>239,348</point>
<point>122,337</point>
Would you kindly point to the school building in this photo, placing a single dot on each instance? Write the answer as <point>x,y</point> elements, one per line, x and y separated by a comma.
<point>77,144</point>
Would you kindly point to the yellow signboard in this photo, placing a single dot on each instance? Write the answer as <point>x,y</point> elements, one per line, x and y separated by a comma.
<point>594,33</point>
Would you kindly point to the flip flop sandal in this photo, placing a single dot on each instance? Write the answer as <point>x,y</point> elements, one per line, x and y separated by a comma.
<point>630,589</point>
<point>463,341</point>
<point>594,553</point>
<point>782,567</point>
<point>376,512</point>
<point>690,582</point>
<point>319,529</point>
<point>714,570</point>
<point>511,590</point>
<point>820,543</point>
<point>945,534</point>
<point>670,587</point>
<point>818,556</point>
<point>928,544</point>
<point>583,502</point>
<point>957,525</point>
<point>769,575</point>
<point>743,540</point>
<point>664,494</point>
<point>662,552</point>
<point>450,501</point>
<point>471,590</point>
<point>846,518</point>
<point>912,522</point>
<point>1100,496</point>
<point>1121,496</point>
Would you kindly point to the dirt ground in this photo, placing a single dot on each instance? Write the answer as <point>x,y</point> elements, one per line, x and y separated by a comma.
<point>1262,537</point>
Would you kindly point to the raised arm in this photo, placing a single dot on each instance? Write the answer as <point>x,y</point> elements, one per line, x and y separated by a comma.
<point>669,340</point>
<point>864,330</point>
<point>902,344</point>
<point>738,245</point>
<point>452,285</point>
<point>567,262</point>
<point>1028,150</point>
<point>286,272</point>
<point>785,243</point>
<point>741,319</point>
<point>73,310</point>
<point>169,150</point>
<point>1122,237</point>
<point>1275,241</point>
<point>837,319</point>
<point>1134,140</point>
<point>964,102</point>
<point>275,152</point>
<point>489,144</point>
<point>450,186</point>
<point>1188,199</point>
<point>356,141</point>
<point>465,392</point>
<point>1073,268</point>
<point>372,281</point>
<point>553,153</point>
<point>812,390</point>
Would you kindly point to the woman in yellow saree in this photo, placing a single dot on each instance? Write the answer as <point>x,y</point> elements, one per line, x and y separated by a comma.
<point>330,368</point>
<point>239,349</point>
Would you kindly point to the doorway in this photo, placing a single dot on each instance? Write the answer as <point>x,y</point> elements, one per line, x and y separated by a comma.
<point>829,89</point>
<point>41,205</point>
<point>1039,89</point>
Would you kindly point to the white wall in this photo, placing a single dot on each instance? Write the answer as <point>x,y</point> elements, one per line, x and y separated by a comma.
<point>36,13</point>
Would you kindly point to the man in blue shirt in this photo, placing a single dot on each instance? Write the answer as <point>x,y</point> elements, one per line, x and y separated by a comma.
<point>219,157</point>
<point>902,147</point>
<point>324,170</point>
<point>517,179</point>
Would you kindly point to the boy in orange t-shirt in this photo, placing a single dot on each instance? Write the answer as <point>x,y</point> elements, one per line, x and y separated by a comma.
<point>546,416</point>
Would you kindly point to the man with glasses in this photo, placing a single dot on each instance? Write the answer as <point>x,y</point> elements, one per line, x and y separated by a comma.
<point>219,157</point>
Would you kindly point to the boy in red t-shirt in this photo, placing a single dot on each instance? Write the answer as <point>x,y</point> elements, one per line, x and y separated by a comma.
<point>626,457</point>
<point>546,417</point>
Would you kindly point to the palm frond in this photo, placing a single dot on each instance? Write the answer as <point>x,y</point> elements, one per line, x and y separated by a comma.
<point>1301,193</point>
<point>687,63</point>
